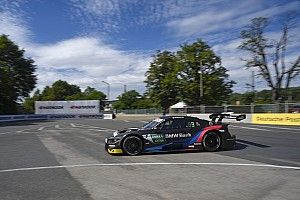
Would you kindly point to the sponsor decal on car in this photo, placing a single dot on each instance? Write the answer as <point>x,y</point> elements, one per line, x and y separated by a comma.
<point>178,135</point>
<point>155,138</point>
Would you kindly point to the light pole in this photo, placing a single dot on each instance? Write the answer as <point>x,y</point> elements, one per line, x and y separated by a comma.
<point>201,84</point>
<point>201,80</point>
<point>108,88</point>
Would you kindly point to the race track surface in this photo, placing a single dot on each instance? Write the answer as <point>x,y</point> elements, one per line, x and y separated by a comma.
<point>65,159</point>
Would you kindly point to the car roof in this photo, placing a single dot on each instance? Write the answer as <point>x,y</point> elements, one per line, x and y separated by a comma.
<point>178,117</point>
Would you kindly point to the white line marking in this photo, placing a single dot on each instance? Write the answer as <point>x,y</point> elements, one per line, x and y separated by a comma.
<point>251,128</point>
<point>73,125</point>
<point>57,126</point>
<point>275,127</point>
<point>42,128</point>
<point>103,130</point>
<point>5,133</point>
<point>136,164</point>
<point>88,126</point>
<point>144,121</point>
<point>125,121</point>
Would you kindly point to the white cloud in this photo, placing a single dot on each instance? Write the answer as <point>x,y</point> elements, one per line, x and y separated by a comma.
<point>220,19</point>
<point>82,60</point>
<point>89,60</point>
<point>85,61</point>
<point>14,27</point>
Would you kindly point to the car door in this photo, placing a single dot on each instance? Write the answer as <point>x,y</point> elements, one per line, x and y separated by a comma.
<point>175,133</point>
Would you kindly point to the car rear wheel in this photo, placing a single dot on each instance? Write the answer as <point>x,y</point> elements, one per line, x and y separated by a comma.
<point>211,141</point>
<point>132,145</point>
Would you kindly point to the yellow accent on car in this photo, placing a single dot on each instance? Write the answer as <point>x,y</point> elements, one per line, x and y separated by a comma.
<point>115,151</point>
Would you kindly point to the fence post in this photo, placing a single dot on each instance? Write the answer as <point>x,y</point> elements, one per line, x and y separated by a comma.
<point>225,107</point>
<point>202,108</point>
<point>286,106</point>
<point>252,107</point>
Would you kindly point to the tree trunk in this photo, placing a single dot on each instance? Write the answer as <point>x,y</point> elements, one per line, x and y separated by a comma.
<point>275,95</point>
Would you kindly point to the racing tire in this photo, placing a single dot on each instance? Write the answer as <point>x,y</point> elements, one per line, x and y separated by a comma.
<point>132,145</point>
<point>211,141</point>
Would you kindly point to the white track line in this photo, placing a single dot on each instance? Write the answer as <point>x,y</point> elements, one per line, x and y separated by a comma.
<point>41,128</point>
<point>251,128</point>
<point>57,126</point>
<point>73,125</point>
<point>275,127</point>
<point>136,164</point>
<point>5,133</point>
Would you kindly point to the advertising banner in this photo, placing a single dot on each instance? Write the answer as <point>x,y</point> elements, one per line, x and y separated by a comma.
<point>67,107</point>
<point>277,118</point>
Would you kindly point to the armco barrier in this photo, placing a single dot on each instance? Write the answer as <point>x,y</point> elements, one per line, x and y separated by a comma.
<point>277,118</point>
<point>8,118</point>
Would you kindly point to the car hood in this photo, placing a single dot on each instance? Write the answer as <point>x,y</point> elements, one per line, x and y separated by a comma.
<point>124,131</point>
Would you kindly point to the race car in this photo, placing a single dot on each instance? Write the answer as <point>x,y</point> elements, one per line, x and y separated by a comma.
<point>174,133</point>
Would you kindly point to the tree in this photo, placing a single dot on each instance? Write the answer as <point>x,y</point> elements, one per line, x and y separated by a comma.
<point>128,100</point>
<point>272,67</point>
<point>163,85</point>
<point>61,91</point>
<point>198,58</point>
<point>17,78</point>
<point>92,94</point>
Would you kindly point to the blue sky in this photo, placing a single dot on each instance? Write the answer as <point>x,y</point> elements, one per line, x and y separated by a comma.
<point>88,41</point>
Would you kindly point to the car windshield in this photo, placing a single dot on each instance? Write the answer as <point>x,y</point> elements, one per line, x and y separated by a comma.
<point>152,124</point>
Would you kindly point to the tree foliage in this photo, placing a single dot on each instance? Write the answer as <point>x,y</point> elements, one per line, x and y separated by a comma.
<point>62,91</point>
<point>132,100</point>
<point>17,78</point>
<point>163,85</point>
<point>199,58</point>
<point>176,76</point>
<point>272,67</point>
<point>263,97</point>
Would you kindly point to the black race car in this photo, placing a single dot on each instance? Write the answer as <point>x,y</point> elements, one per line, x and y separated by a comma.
<point>174,133</point>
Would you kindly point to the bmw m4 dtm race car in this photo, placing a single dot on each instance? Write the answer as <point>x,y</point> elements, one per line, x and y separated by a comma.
<point>174,133</point>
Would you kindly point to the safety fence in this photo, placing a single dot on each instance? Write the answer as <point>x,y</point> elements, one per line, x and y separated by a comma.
<point>253,108</point>
<point>140,111</point>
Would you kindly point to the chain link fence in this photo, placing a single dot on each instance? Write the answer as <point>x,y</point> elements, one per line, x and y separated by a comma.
<point>140,111</point>
<point>253,108</point>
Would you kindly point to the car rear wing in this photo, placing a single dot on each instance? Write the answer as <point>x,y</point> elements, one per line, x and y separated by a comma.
<point>217,118</point>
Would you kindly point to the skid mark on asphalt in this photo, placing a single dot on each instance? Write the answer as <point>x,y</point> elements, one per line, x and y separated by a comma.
<point>144,164</point>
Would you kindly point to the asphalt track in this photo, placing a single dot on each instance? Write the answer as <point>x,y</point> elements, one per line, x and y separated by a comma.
<point>65,159</point>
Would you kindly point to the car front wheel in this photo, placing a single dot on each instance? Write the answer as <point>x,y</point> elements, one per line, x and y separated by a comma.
<point>132,145</point>
<point>211,141</point>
